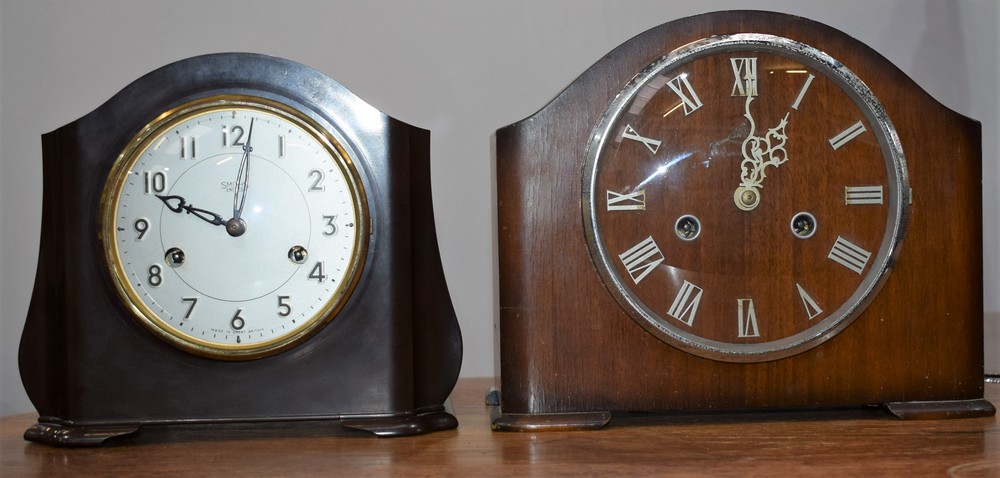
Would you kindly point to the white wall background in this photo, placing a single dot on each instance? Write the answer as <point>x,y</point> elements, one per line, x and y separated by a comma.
<point>461,68</point>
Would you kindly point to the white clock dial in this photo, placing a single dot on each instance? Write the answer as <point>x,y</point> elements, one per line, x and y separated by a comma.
<point>234,226</point>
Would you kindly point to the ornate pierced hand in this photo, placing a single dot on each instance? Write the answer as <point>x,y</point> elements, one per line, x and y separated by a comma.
<point>759,153</point>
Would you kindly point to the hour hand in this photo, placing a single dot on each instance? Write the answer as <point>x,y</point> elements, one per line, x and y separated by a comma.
<point>178,204</point>
<point>759,152</point>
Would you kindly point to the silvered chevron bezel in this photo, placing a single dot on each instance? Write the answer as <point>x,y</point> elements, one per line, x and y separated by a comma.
<point>899,196</point>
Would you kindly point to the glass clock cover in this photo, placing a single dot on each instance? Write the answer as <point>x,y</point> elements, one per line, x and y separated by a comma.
<point>234,226</point>
<point>745,197</point>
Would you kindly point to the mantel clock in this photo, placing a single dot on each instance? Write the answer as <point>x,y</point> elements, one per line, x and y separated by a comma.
<point>739,210</point>
<point>237,238</point>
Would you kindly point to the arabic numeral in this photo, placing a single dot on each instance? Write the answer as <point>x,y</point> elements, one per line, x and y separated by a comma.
<point>155,275</point>
<point>233,136</point>
<point>191,301</point>
<point>155,182</point>
<point>237,322</point>
<point>331,225</point>
<point>141,226</point>
<point>284,309</point>
<point>318,177</point>
<point>317,273</point>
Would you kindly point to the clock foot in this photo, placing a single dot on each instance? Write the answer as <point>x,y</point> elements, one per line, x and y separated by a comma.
<point>539,422</point>
<point>419,424</point>
<point>516,422</point>
<point>59,434</point>
<point>935,410</point>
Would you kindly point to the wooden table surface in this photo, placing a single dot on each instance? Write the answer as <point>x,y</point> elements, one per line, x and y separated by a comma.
<point>841,443</point>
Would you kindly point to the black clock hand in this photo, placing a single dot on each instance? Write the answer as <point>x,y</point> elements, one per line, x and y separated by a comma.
<point>179,204</point>
<point>236,226</point>
<point>243,177</point>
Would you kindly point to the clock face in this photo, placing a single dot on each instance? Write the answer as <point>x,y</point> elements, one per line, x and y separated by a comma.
<point>745,197</point>
<point>234,226</point>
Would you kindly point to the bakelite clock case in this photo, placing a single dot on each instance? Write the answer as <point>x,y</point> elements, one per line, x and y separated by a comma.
<point>840,269</point>
<point>385,361</point>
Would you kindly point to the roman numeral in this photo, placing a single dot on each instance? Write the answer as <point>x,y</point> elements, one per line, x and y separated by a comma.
<point>641,259</point>
<point>863,195</point>
<point>688,97</point>
<point>802,92</point>
<point>812,309</point>
<point>849,255</point>
<point>745,71</point>
<point>847,135</point>
<point>633,201</point>
<point>685,305</point>
<point>747,318</point>
<point>651,144</point>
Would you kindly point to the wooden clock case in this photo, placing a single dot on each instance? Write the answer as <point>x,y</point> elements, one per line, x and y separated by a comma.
<point>569,355</point>
<point>386,363</point>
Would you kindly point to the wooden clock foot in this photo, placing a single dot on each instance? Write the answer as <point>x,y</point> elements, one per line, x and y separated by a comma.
<point>935,410</point>
<point>514,422</point>
<point>529,422</point>
<point>59,434</point>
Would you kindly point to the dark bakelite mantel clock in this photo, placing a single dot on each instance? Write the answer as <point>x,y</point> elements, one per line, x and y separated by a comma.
<point>750,210</point>
<point>235,238</point>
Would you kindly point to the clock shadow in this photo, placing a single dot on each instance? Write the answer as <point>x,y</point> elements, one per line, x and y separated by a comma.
<point>235,432</point>
<point>732,417</point>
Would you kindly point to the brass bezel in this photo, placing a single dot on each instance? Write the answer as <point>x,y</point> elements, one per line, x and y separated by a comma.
<point>111,196</point>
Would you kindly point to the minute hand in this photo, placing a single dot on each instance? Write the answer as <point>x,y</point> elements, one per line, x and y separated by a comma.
<point>243,177</point>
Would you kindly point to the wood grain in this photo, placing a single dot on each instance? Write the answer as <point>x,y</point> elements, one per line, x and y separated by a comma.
<point>567,346</point>
<point>838,443</point>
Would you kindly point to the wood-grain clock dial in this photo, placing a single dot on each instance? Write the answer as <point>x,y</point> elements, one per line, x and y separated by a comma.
<point>745,197</point>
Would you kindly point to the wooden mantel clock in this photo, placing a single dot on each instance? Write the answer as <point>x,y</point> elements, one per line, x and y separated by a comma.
<point>739,210</point>
<point>237,238</point>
